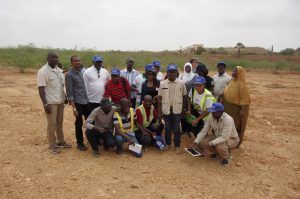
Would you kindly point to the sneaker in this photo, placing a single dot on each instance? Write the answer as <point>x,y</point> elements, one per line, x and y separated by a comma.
<point>63,145</point>
<point>96,153</point>
<point>213,156</point>
<point>54,150</point>
<point>177,150</point>
<point>226,162</point>
<point>167,147</point>
<point>81,147</point>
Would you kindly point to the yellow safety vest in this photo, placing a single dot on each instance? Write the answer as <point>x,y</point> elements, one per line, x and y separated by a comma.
<point>131,122</point>
<point>202,106</point>
<point>146,123</point>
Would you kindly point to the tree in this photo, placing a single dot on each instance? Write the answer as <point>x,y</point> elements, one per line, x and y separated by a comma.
<point>199,50</point>
<point>287,51</point>
<point>239,45</point>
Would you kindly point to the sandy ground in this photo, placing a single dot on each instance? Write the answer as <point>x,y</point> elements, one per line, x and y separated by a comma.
<point>266,166</point>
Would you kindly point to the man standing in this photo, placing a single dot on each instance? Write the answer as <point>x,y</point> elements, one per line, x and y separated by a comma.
<point>95,77</point>
<point>78,98</point>
<point>224,137</point>
<point>99,124</point>
<point>171,103</point>
<point>130,74</point>
<point>221,80</point>
<point>159,75</point>
<point>117,87</point>
<point>50,82</point>
<point>147,125</point>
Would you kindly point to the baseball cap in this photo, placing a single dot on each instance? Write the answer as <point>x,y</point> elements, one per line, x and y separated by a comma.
<point>221,64</point>
<point>97,58</point>
<point>149,67</point>
<point>216,107</point>
<point>156,63</point>
<point>199,80</point>
<point>171,67</point>
<point>115,71</point>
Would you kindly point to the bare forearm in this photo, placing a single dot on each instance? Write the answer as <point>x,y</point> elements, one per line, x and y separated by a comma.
<point>42,94</point>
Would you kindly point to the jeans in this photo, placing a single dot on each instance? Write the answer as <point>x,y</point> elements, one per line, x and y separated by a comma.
<point>148,139</point>
<point>120,140</point>
<point>93,137</point>
<point>83,110</point>
<point>196,129</point>
<point>172,122</point>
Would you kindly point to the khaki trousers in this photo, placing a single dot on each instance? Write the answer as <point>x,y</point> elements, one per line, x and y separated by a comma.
<point>55,124</point>
<point>222,149</point>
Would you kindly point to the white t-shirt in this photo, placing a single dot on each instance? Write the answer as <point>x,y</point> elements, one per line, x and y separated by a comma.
<point>138,82</point>
<point>220,83</point>
<point>94,83</point>
<point>159,76</point>
<point>197,100</point>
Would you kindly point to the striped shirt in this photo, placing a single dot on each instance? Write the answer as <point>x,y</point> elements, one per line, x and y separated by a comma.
<point>125,120</point>
<point>130,76</point>
<point>117,91</point>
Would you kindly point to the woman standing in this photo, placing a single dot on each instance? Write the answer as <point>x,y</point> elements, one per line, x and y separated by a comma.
<point>187,73</point>
<point>236,100</point>
<point>186,77</point>
<point>151,85</point>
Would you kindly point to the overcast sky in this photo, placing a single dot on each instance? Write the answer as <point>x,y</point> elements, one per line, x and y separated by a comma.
<point>150,24</point>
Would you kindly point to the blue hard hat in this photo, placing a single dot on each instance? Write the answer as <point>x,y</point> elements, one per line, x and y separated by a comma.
<point>216,107</point>
<point>200,80</point>
<point>156,63</point>
<point>171,67</point>
<point>97,58</point>
<point>115,71</point>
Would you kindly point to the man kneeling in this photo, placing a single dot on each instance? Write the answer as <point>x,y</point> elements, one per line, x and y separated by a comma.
<point>147,125</point>
<point>103,128</point>
<point>223,138</point>
<point>124,125</point>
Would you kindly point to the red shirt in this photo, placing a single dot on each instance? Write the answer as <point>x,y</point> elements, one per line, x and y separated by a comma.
<point>139,116</point>
<point>117,91</point>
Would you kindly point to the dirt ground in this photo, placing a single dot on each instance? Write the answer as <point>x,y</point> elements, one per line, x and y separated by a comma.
<point>266,166</point>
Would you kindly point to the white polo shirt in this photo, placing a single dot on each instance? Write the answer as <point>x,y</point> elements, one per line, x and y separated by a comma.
<point>94,83</point>
<point>220,83</point>
<point>52,79</point>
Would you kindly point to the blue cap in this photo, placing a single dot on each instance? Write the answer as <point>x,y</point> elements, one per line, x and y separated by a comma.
<point>156,63</point>
<point>221,63</point>
<point>97,58</point>
<point>216,107</point>
<point>171,67</point>
<point>200,80</point>
<point>150,67</point>
<point>115,71</point>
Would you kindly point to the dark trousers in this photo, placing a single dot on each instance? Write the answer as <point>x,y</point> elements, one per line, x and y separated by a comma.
<point>172,122</point>
<point>83,110</point>
<point>148,139</point>
<point>93,137</point>
<point>186,127</point>
<point>196,129</point>
<point>133,102</point>
<point>93,106</point>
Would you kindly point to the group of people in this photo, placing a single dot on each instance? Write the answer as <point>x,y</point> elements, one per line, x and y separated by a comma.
<point>128,106</point>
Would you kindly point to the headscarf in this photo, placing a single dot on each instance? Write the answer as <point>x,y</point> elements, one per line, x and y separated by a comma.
<point>187,76</point>
<point>237,91</point>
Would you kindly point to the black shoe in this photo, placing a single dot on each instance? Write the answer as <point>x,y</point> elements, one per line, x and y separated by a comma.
<point>96,153</point>
<point>225,162</point>
<point>81,147</point>
<point>213,156</point>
